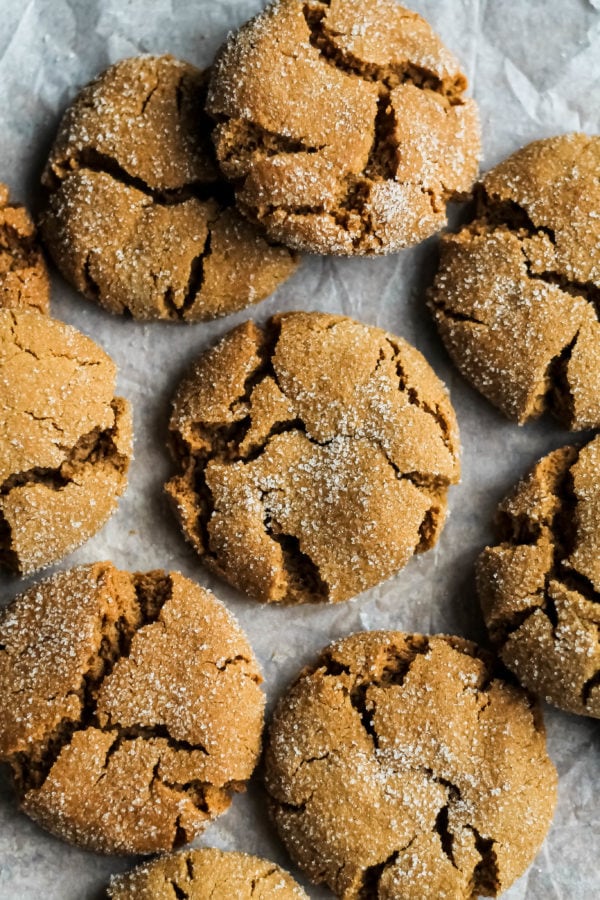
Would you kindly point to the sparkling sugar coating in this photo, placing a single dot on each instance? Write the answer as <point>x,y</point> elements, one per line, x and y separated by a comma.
<point>540,587</point>
<point>517,294</point>
<point>137,216</point>
<point>206,874</point>
<point>315,457</point>
<point>65,439</point>
<point>400,768</point>
<point>24,279</point>
<point>343,125</point>
<point>132,707</point>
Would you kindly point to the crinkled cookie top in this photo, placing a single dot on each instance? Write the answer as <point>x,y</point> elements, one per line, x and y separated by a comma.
<point>65,439</point>
<point>343,125</point>
<point>400,766</point>
<point>315,456</point>
<point>517,294</point>
<point>138,217</point>
<point>540,585</point>
<point>132,708</point>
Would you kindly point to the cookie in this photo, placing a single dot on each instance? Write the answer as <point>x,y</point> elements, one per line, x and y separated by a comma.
<point>65,440</point>
<point>23,275</point>
<point>400,766</point>
<point>138,217</point>
<point>315,456</point>
<point>540,585</point>
<point>131,709</point>
<point>206,874</point>
<point>343,125</point>
<point>517,295</point>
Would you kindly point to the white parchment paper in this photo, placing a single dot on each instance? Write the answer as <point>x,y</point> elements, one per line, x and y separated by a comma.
<point>534,66</point>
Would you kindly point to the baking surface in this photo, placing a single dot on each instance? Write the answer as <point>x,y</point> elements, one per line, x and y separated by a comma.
<point>534,68</point>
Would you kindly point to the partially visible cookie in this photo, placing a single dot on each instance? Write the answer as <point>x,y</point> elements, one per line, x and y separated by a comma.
<point>206,874</point>
<point>131,707</point>
<point>23,275</point>
<point>400,767</point>
<point>540,586</point>
<point>517,294</point>
<point>343,125</point>
<point>138,217</point>
<point>315,457</point>
<point>65,439</point>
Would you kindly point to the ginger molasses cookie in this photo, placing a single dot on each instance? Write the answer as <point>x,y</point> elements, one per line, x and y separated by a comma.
<point>315,456</point>
<point>206,874</point>
<point>24,280</point>
<point>131,707</point>
<point>517,294</point>
<point>399,766</point>
<point>540,585</point>
<point>65,439</point>
<point>138,217</point>
<point>343,125</point>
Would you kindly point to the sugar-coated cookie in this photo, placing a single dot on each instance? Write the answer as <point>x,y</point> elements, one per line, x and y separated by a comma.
<point>517,294</point>
<point>138,217</point>
<point>401,768</point>
<point>540,585</point>
<point>65,439</point>
<point>206,874</point>
<point>343,125</point>
<point>131,707</point>
<point>24,280</point>
<point>315,456</point>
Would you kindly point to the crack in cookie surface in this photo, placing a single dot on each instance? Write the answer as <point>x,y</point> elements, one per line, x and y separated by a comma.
<point>540,587</point>
<point>429,806</point>
<point>97,448</point>
<point>92,160</point>
<point>517,294</point>
<point>66,440</point>
<point>379,138</point>
<point>387,76</point>
<point>138,217</point>
<point>113,744</point>
<point>324,483</point>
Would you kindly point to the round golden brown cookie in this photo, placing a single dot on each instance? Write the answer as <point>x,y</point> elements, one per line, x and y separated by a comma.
<point>206,874</point>
<point>315,457</point>
<point>131,707</point>
<point>23,276</point>
<point>343,125</point>
<point>138,217</point>
<point>401,768</point>
<point>517,294</point>
<point>65,439</point>
<point>540,586</point>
